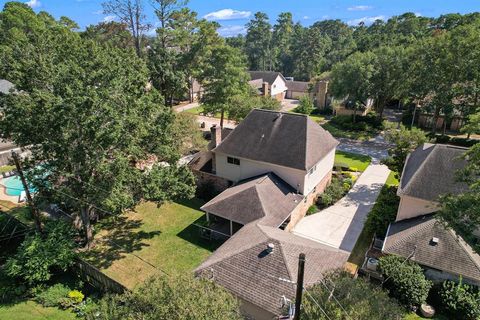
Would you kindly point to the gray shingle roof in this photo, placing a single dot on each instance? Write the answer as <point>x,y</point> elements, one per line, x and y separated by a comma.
<point>297,86</point>
<point>285,139</point>
<point>452,254</point>
<point>243,266</point>
<point>267,197</point>
<point>5,86</point>
<point>267,76</point>
<point>430,171</point>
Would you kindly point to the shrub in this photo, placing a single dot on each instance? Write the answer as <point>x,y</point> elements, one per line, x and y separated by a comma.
<point>37,255</point>
<point>312,209</point>
<point>76,296</point>
<point>356,297</point>
<point>460,300</point>
<point>53,296</point>
<point>405,280</point>
<point>305,106</point>
<point>332,193</point>
<point>383,212</point>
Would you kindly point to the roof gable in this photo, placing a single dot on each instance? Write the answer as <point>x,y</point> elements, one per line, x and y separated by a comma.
<point>452,254</point>
<point>430,171</point>
<point>262,278</point>
<point>266,76</point>
<point>285,139</point>
<point>266,197</point>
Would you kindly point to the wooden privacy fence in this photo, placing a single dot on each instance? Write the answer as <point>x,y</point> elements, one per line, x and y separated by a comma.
<point>96,278</point>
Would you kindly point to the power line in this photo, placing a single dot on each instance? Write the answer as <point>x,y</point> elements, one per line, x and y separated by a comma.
<point>315,301</point>
<point>334,298</point>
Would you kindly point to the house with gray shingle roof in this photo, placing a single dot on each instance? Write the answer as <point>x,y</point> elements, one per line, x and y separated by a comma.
<point>430,172</point>
<point>269,83</point>
<point>278,163</point>
<point>259,265</point>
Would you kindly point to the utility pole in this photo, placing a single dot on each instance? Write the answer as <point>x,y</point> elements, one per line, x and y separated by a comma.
<point>298,296</point>
<point>36,213</point>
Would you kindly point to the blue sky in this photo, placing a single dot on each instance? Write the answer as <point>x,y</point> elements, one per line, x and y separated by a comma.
<point>233,14</point>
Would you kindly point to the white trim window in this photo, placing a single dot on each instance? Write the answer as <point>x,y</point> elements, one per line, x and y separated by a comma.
<point>233,160</point>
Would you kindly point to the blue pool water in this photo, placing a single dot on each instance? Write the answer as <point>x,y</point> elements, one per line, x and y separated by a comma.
<point>14,186</point>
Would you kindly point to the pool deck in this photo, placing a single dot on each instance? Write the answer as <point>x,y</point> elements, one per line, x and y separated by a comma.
<point>5,196</point>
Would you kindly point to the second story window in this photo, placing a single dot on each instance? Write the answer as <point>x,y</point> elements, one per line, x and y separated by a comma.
<point>312,170</point>
<point>233,161</point>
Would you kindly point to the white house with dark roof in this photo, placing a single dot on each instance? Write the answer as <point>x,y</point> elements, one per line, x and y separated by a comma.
<point>269,83</point>
<point>429,172</point>
<point>277,164</point>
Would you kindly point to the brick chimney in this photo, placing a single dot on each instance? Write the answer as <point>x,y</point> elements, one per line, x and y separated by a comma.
<point>266,88</point>
<point>216,136</point>
<point>322,89</point>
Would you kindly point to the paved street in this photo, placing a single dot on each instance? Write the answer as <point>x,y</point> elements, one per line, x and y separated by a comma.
<point>340,225</point>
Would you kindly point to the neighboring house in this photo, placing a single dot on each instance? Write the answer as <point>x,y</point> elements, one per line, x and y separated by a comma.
<point>429,172</point>
<point>318,91</point>
<point>345,108</point>
<point>269,83</point>
<point>416,234</point>
<point>259,265</point>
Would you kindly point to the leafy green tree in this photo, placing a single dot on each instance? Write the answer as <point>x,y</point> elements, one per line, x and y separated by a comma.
<point>462,211</point>
<point>343,297</point>
<point>166,10</point>
<point>405,280</point>
<point>243,104</point>
<point>473,124</point>
<point>224,79</point>
<point>388,79</point>
<point>175,298</point>
<point>352,79</point>
<point>258,42</point>
<point>38,255</point>
<point>460,300</point>
<point>403,142</point>
<point>113,33</point>
<point>281,42</point>
<point>86,115</point>
<point>305,105</point>
<point>341,36</point>
<point>309,48</point>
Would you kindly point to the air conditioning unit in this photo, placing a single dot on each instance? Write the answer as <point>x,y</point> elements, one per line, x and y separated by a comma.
<point>372,264</point>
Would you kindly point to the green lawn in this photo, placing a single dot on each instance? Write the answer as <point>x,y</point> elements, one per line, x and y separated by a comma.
<point>6,168</point>
<point>355,135</point>
<point>30,310</point>
<point>199,111</point>
<point>352,160</point>
<point>391,180</point>
<point>414,316</point>
<point>162,236</point>
<point>314,116</point>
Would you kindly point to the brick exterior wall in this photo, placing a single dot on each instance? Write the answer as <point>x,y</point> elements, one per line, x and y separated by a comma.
<point>299,212</point>
<point>219,184</point>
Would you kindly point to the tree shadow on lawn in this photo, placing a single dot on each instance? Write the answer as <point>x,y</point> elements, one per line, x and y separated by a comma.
<point>192,235</point>
<point>123,237</point>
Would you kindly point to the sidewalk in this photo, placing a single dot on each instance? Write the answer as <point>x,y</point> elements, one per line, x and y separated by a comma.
<point>340,225</point>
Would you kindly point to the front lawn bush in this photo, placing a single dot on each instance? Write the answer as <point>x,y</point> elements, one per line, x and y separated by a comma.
<point>383,212</point>
<point>305,106</point>
<point>460,301</point>
<point>332,193</point>
<point>405,280</point>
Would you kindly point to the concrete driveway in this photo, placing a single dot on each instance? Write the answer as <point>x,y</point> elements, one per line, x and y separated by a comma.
<point>340,225</point>
<point>289,104</point>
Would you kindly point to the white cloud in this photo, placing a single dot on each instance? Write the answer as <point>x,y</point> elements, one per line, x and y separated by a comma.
<point>227,14</point>
<point>366,20</point>
<point>306,17</point>
<point>231,31</point>
<point>418,14</point>
<point>33,3</point>
<point>98,12</point>
<point>359,8</point>
<point>108,18</point>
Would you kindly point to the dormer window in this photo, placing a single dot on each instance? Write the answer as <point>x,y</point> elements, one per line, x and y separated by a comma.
<point>233,160</point>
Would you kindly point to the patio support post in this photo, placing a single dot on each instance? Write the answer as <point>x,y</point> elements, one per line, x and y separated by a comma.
<point>208,217</point>
<point>231,228</point>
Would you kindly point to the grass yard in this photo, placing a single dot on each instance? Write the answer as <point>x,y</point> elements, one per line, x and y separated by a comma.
<point>6,168</point>
<point>414,316</point>
<point>391,180</point>
<point>199,111</point>
<point>30,310</point>
<point>160,236</point>
<point>341,133</point>
<point>314,116</point>
<point>352,160</point>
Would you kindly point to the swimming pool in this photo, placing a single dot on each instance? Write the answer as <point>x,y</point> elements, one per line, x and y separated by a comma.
<point>13,186</point>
